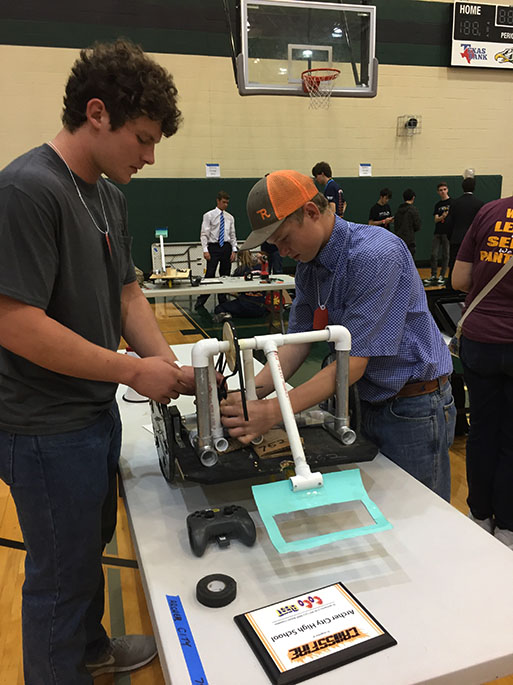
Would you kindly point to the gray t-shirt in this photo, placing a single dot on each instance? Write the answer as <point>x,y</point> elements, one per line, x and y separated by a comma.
<point>53,257</point>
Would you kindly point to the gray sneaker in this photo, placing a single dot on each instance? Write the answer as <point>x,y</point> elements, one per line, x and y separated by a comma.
<point>223,316</point>
<point>505,536</point>
<point>486,524</point>
<point>125,654</point>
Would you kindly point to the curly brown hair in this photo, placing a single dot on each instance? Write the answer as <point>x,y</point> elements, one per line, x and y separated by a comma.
<point>129,83</point>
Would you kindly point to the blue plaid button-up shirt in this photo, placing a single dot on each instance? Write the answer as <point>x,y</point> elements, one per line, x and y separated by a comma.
<point>369,283</point>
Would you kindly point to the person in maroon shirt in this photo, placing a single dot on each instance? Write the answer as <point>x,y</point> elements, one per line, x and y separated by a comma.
<point>486,352</point>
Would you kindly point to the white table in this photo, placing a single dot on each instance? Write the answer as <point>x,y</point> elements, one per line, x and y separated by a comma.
<point>437,582</point>
<point>227,284</point>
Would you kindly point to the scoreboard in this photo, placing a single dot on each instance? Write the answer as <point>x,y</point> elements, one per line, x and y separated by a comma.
<point>482,35</point>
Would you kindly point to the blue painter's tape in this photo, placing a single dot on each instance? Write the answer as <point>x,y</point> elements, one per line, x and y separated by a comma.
<point>190,652</point>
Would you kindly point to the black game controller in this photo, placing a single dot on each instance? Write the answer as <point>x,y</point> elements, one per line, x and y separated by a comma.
<point>220,524</point>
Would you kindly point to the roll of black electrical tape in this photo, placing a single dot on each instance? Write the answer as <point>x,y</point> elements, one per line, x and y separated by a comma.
<point>216,590</point>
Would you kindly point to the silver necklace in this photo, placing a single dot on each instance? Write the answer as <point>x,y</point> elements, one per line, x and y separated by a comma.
<point>107,229</point>
<point>323,306</point>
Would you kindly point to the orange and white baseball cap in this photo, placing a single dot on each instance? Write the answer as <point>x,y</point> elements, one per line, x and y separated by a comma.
<point>272,200</point>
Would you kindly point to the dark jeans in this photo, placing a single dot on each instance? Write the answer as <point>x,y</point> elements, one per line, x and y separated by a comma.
<point>64,488</point>
<point>488,370</point>
<point>218,255</point>
<point>440,244</point>
<point>416,433</point>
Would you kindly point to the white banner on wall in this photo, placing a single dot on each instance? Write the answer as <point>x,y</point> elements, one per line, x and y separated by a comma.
<point>475,54</point>
<point>212,170</point>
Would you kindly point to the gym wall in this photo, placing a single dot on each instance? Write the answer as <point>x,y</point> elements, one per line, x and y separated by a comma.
<point>180,203</point>
<point>465,112</point>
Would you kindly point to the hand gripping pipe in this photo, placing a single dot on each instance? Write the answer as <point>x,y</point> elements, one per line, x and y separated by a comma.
<point>206,389</point>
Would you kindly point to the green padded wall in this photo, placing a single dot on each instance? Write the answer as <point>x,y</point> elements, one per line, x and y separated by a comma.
<point>408,31</point>
<point>179,204</point>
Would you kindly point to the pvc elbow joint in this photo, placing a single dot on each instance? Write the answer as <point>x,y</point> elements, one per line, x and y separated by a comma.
<point>341,337</point>
<point>205,349</point>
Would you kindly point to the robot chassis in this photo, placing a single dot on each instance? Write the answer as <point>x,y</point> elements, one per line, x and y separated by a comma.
<point>197,447</point>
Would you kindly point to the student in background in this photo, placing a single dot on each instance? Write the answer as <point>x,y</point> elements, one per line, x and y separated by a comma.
<point>461,214</point>
<point>332,191</point>
<point>380,214</point>
<point>218,241</point>
<point>440,240</point>
<point>407,220</point>
<point>245,305</point>
<point>274,258</point>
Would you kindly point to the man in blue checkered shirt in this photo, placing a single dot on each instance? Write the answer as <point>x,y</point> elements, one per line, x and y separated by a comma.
<point>364,279</point>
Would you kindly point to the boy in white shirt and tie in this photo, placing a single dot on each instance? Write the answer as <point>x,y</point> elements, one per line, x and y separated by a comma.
<point>218,241</point>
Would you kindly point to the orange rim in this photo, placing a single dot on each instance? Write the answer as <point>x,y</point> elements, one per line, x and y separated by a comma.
<point>313,74</point>
<point>312,78</point>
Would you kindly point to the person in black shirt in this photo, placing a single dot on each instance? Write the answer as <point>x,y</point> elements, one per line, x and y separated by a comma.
<point>461,214</point>
<point>407,220</point>
<point>380,214</point>
<point>440,240</point>
<point>245,305</point>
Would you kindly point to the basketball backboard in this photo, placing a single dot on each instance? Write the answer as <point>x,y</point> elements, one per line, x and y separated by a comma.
<point>280,39</point>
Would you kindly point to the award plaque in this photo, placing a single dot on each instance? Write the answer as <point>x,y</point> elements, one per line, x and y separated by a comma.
<point>303,636</point>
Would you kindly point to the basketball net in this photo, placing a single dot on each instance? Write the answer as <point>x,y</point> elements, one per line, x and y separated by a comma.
<point>318,83</point>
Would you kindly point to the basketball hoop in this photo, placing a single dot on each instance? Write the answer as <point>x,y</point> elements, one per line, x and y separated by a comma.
<point>318,83</point>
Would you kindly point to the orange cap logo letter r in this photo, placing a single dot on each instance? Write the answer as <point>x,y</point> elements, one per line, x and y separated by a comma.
<point>263,214</point>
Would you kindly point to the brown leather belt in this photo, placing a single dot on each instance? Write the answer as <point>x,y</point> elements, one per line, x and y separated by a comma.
<point>422,387</point>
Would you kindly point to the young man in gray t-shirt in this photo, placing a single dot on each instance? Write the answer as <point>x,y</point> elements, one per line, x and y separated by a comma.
<point>67,293</point>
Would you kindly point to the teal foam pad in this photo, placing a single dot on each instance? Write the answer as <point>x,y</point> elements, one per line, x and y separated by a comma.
<point>338,487</point>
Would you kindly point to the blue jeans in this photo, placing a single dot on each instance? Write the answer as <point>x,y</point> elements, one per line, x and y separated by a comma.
<point>64,488</point>
<point>488,371</point>
<point>416,433</point>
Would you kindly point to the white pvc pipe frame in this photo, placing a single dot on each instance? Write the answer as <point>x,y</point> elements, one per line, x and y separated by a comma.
<point>162,255</point>
<point>203,354</point>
